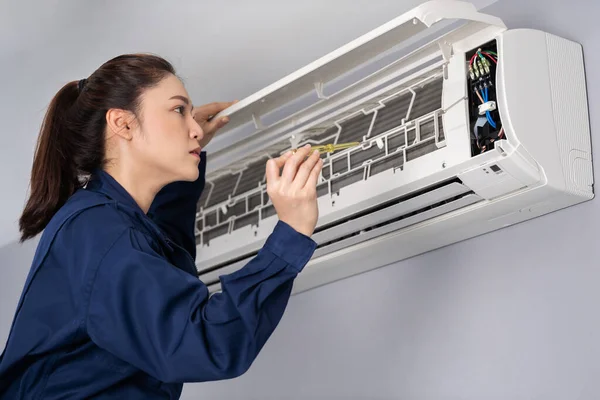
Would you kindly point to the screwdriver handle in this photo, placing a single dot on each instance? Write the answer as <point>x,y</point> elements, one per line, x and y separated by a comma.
<point>330,148</point>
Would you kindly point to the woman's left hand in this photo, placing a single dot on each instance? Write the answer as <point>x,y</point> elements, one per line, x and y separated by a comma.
<point>204,117</point>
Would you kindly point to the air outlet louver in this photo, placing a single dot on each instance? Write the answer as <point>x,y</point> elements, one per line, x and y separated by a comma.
<point>394,215</point>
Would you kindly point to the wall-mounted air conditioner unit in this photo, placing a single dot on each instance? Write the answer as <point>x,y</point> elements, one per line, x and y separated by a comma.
<point>465,127</point>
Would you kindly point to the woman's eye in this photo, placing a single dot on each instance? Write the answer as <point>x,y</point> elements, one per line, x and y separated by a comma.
<point>180,109</point>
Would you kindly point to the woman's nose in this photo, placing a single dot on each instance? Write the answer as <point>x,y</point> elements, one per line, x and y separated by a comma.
<point>196,131</point>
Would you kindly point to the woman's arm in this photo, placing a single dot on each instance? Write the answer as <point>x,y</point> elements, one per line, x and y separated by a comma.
<point>163,321</point>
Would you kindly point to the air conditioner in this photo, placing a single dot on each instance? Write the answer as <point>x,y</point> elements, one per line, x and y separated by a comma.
<point>436,163</point>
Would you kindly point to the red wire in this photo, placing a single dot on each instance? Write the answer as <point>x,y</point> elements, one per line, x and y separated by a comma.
<point>472,58</point>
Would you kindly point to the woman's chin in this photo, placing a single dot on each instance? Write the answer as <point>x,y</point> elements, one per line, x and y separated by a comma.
<point>187,172</point>
<point>192,175</point>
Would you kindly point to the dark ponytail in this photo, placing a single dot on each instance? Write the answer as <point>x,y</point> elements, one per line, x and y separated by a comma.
<point>71,143</point>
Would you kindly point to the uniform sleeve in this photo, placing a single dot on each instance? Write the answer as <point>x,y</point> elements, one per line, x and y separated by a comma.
<point>174,209</point>
<point>163,321</point>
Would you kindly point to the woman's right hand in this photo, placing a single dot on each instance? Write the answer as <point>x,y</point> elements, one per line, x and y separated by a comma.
<point>294,192</point>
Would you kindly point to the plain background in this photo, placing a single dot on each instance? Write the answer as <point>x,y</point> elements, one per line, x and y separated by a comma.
<point>509,315</point>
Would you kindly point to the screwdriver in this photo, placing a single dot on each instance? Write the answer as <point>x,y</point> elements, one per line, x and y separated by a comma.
<point>330,148</point>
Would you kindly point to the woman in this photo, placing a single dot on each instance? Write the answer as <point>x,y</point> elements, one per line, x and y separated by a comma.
<point>112,306</point>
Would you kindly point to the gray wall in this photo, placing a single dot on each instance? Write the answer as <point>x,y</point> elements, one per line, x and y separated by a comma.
<point>510,315</point>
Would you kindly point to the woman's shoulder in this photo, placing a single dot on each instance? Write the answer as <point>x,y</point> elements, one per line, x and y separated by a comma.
<point>96,210</point>
<point>91,218</point>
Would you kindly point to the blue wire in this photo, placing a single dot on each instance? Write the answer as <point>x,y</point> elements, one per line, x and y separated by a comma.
<point>487,113</point>
<point>490,120</point>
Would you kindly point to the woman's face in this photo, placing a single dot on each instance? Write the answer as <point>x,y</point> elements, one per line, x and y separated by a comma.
<point>165,143</point>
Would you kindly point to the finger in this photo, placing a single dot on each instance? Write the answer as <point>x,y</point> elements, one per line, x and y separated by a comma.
<point>278,163</point>
<point>305,169</point>
<point>292,164</point>
<point>272,171</point>
<point>313,178</point>
<point>215,125</point>
<point>208,110</point>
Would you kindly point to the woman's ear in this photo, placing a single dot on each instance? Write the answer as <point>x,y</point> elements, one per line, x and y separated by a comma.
<point>119,122</point>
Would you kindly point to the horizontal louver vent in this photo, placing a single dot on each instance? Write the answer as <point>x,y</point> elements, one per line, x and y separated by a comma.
<point>394,215</point>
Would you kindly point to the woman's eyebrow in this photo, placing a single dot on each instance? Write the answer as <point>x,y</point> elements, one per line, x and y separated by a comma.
<point>182,98</point>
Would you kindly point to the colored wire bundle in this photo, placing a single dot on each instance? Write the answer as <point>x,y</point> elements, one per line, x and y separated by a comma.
<point>484,95</point>
<point>488,53</point>
<point>491,55</point>
<point>481,68</point>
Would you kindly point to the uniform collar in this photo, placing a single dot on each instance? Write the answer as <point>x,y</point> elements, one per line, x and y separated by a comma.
<point>102,182</point>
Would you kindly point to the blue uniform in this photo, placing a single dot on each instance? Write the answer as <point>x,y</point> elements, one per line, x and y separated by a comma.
<point>112,306</point>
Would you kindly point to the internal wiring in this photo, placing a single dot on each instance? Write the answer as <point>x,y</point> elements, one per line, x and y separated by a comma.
<point>480,69</point>
<point>490,57</point>
<point>487,53</point>
<point>490,120</point>
<point>480,98</point>
<point>472,59</point>
<point>487,113</point>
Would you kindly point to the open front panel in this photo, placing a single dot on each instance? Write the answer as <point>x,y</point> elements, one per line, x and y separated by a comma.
<point>403,30</point>
<point>400,127</point>
<point>425,36</point>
